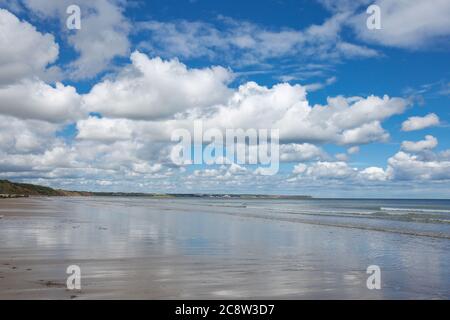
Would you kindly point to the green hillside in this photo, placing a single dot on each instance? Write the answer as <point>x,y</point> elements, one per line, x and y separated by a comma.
<point>9,188</point>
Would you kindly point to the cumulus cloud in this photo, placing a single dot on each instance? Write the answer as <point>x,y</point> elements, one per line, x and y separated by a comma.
<point>429,143</point>
<point>34,99</point>
<point>102,37</point>
<point>56,157</point>
<point>406,24</point>
<point>154,88</point>
<point>24,61</point>
<point>301,152</point>
<point>84,160</point>
<point>326,170</point>
<point>25,51</point>
<point>418,123</point>
<point>373,174</point>
<point>146,168</point>
<point>343,120</point>
<point>105,130</point>
<point>404,166</point>
<point>25,136</point>
<point>108,29</point>
<point>368,132</point>
<point>224,173</point>
<point>173,96</point>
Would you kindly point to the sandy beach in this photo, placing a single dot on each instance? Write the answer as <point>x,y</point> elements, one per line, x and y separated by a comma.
<point>215,249</point>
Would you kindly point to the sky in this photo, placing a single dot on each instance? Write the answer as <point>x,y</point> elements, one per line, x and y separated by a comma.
<point>360,112</point>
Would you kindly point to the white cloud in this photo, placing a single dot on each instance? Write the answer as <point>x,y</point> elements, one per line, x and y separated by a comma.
<point>301,152</point>
<point>25,136</point>
<point>34,99</point>
<point>350,50</point>
<point>373,174</point>
<point>366,133</point>
<point>400,167</point>
<point>102,37</point>
<point>25,52</point>
<point>341,156</point>
<point>353,150</point>
<point>229,172</point>
<point>418,123</point>
<point>153,88</point>
<point>108,29</point>
<point>245,43</point>
<point>353,120</point>
<point>24,60</point>
<point>429,143</point>
<point>263,171</point>
<point>236,169</point>
<point>105,130</point>
<point>404,166</point>
<point>320,85</point>
<point>145,168</point>
<point>55,157</point>
<point>407,24</point>
<point>207,173</point>
<point>172,97</point>
<point>326,170</point>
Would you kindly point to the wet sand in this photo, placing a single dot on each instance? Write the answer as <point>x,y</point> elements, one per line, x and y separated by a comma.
<point>184,249</point>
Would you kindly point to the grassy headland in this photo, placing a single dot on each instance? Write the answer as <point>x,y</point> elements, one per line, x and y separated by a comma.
<point>10,189</point>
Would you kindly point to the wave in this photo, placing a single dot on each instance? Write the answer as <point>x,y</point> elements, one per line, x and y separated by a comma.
<point>418,215</point>
<point>401,210</point>
<point>418,233</point>
<point>397,214</point>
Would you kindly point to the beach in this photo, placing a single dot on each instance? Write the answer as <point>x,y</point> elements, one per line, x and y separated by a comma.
<point>138,248</point>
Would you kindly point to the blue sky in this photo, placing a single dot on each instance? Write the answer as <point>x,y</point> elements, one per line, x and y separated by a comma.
<point>94,108</point>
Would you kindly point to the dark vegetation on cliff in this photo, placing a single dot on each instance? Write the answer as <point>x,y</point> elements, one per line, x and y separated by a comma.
<point>25,189</point>
<point>10,189</point>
